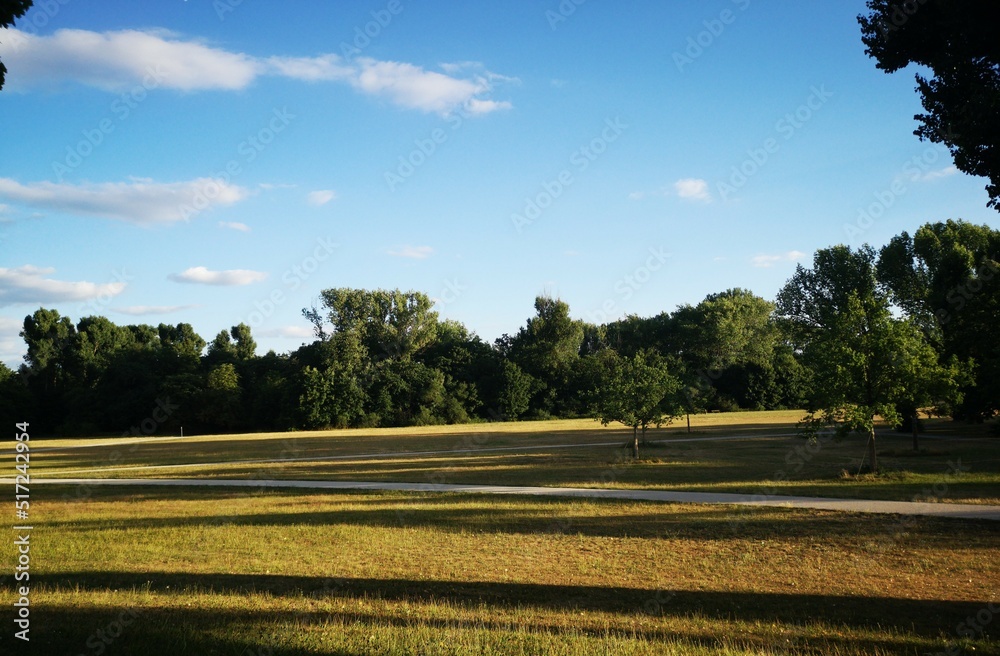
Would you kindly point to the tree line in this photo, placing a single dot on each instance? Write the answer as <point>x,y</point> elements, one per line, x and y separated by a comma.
<point>860,334</point>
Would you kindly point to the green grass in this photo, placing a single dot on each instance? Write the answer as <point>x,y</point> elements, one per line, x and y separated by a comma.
<point>220,572</point>
<point>760,464</point>
<point>248,572</point>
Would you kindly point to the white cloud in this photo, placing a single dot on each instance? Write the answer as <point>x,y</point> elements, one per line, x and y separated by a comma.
<point>12,346</point>
<point>203,276</point>
<point>767,261</point>
<point>320,197</point>
<point>119,61</point>
<point>29,284</point>
<point>693,189</point>
<point>142,202</point>
<point>637,195</point>
<point>144,310</point>
<point>311,69</point>
<point>930,176</point>
<point>289,332</point>
<point>413,252</point>
<point>234,225</point>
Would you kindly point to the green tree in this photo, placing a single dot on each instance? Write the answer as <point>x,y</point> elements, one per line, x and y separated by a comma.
<point>956,41</point>
<point>946,277</point>
<point>11,10</point>
<point>50,340</point>
<point>335,380</point>
<point>221,403</point>
<point>639,392</point>
<point>391,324</point>
<point>514,395</point>
<point>866,363</point>
<point>246,347</point>
<point>548,348</point>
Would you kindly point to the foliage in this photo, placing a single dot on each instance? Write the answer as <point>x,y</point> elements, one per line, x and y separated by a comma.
<point>866,362</point>
<point>956,41</point>
<point>638,391</point>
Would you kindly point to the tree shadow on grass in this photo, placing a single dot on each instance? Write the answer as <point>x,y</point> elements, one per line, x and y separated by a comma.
<point>896,622</point>
<point>464,513</point>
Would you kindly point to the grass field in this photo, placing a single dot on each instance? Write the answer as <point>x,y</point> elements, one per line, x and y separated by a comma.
<point>251,572</point>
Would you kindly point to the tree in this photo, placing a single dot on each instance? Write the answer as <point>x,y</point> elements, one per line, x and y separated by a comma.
<point>865,362</point>
<point>50,339</point>
<point>245,348</point>
<point>956,40</point>
<point>221,400</point>
<point>547,348</point>
<point>639,391</point>
<point>946,277</point>
<point>390,324</point>
<point>727,344</point>
<point>11,10</point>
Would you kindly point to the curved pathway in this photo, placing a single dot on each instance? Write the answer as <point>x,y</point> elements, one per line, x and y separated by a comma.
<point>949,510</point>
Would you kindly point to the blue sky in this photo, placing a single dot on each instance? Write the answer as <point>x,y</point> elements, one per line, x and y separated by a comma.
<point>219,162</point>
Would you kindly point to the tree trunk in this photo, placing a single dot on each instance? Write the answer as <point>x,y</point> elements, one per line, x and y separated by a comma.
<point>635,443</point>
<point>916,445</point>
<point>871,451</point>
<point>689,421</point>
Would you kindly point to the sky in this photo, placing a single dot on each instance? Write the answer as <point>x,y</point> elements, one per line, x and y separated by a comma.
<point>218,162</point>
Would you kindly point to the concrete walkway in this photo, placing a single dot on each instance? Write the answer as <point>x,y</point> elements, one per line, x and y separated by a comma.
<point>950,510</point>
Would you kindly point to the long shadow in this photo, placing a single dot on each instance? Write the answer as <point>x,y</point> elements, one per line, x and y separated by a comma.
<point>544,515</point>
<point>927,618</point>
<point>152,632</point>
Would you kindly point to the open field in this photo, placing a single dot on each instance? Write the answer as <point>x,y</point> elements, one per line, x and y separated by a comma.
<point>775,461</point>
<point>219,572</point>
<point>250,572</point>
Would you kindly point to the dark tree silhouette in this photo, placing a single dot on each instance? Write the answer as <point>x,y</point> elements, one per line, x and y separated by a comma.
<point>956,40</point>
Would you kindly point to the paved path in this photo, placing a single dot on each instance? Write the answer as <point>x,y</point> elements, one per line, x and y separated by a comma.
<point>950,510</point>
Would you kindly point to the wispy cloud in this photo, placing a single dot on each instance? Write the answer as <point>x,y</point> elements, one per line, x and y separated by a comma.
<point>142,202</point>
<point>30,284</point>
<point>118,60</point>
<point>413,252</point>
<point>234,225</point>
<point>320,197</point>
<point>767,261</point>
<point>145,310</point>
<point>232,278</point>
<point>937,174</point>
<point>693,189</point>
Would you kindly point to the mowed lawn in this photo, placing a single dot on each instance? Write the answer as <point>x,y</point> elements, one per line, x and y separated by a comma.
<point>249,572</point>
<point>192,571</point>
<point>956,462</point>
